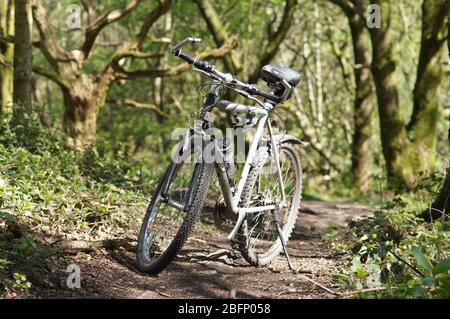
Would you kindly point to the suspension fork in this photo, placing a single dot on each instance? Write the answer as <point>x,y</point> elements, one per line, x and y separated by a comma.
<point>192,185</point>
<point>168,177</point>
<point>182,147</point>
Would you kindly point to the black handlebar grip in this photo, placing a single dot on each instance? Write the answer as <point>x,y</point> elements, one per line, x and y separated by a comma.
<point>185,57</point>
<point>202,65</point>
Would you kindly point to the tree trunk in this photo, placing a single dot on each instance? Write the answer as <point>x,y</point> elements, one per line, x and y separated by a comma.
<point>362,148</point>
<point>82,103</point>
<point>22,57</point>
<point>393,132</point>
<point>403,147</point>
<point>430,74</point>
<point>80,121</point>
<point>159,83</point>
<point>7,53</point>
<point>442,203</point>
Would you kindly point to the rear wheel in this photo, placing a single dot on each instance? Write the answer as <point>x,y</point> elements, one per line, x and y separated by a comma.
<point>171,216</point>
<point>262,244</point>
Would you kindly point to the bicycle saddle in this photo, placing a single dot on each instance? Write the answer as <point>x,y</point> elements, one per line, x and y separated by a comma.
<point>274,74</point>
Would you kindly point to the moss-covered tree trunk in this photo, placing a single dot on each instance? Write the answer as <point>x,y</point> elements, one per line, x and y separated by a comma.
<point>406,147</point>
<point>362,148</point>
<point>22,57</point>
<point>430,74</point>
<point>442,203</point>
<point>7,55</point>
<point>84,96</point>
<point>80,114</point>
<point>394,138</point>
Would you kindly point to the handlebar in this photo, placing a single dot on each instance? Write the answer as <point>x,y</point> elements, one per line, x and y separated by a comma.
<point>181,44</point>
<point>211,71</point>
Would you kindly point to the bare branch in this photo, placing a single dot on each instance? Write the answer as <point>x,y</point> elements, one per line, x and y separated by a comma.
<point>101,43</point>
<point>49,47</point>
<point>152,17</point>
<point>134,45</point>
<point>346,5</point>
<point>10,39</point>
<point>177,70</point>
<point>2,60</point>
<point>163,40</point>
<point>98,25</point>
<point>219,32</point>
<point>89,7</point>
<point>142,55</point>
<point>274,41</point>
<point>139,105</point>
<point>6,40</point>
<point>89,246</point>
<point>49,75</point>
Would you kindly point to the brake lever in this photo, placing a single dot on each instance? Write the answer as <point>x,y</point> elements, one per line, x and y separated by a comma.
<point>249,96</point>
<point>210,75</point>
<point>242,93</point>
<point>201,71</point>
<point>181,44</point>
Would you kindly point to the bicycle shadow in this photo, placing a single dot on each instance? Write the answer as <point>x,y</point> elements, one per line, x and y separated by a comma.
<point>201,275</point>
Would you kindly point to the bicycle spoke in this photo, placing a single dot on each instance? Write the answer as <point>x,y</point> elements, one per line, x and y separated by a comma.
<point>262,231</point>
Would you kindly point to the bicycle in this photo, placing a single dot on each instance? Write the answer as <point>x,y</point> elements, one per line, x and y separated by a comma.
<point>266,205</point>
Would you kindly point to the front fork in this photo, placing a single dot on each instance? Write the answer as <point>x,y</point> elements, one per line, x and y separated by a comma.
<point>171,171</point>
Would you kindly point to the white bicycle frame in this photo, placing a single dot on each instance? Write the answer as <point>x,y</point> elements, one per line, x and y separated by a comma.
<point>231,198</point>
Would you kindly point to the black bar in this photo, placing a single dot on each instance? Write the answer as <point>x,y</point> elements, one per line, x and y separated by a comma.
<point>247,308</point>
<point>185,57</point>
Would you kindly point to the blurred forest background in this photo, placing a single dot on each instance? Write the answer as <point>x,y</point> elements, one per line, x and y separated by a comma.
<point>90,94</point>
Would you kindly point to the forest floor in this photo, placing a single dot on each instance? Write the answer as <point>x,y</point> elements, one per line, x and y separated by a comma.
<point>208,268</point>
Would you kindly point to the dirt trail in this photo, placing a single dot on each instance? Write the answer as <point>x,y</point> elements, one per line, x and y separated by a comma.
<point>208,268</point>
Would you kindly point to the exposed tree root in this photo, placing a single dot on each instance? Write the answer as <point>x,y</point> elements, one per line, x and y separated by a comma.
<point>89,246</point>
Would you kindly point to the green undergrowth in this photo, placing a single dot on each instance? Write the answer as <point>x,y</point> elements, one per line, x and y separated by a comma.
<point>49,190</point>
<point>395,253</point>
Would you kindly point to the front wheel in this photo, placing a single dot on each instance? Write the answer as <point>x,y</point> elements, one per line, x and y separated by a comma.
<point>171,214</point>
<point>262,244</point>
